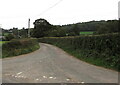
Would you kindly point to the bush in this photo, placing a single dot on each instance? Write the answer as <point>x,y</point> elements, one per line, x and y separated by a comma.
<point>18,47</point>
<point>9,37</point>
<point>105,49</point>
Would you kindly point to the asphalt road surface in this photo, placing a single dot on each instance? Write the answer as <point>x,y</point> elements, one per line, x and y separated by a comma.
<point>50,64</point>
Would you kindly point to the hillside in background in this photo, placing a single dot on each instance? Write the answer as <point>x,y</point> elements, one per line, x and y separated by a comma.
<point>45,29</point>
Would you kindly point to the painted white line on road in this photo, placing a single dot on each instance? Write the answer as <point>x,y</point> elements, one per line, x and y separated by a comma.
<point>15,76</point>
<point>37,79</point>
<point>82,82</point>
<point>19,73</point>
<point>44,77</point>
<point>50,77</point>
<point>12,75</point>
<point>21,76</point>
<point>68,79</point>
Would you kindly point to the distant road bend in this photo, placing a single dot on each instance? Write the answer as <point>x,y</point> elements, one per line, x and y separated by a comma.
<point>50,64</point>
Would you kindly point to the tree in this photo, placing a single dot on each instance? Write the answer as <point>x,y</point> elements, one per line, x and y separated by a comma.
<point>119,25</point>
<point>15,32</point>
<point>41,26</point>
<point>57,32</point>
<point>9,37</point>
<point>110,26</point>
<point>75,30</point>
<point>23,33</point>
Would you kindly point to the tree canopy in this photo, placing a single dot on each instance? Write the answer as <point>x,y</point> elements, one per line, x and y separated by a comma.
<point>41,26</point>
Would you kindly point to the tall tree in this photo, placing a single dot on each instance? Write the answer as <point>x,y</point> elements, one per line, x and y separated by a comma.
<point>76,30</point>
<point>23,33</point>
<point>15,32</point>
<point>41,26</point>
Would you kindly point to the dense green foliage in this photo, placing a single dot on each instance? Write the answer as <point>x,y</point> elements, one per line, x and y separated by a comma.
<point>23,33</point>
<point>17,33</point>
<point>41,26</point>
<point>86,33</point>
<point>102,50</point>
<point>99,27</point>
<point>3,42</point>
<point>9,37</point>
<point>18,47</point>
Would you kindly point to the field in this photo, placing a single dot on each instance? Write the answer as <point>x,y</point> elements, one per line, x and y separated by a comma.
<point>2,42</point>
<point>86,33</point>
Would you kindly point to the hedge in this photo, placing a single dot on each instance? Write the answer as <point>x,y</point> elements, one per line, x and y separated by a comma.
<point>102,50</point>
<point>19,46</point>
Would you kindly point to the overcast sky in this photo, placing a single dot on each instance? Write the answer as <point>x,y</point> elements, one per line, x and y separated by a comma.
<point>15,13</point>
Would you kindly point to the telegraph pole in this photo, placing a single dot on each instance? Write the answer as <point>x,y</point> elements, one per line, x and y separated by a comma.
<point>29,27</point>
<point>1,32</point>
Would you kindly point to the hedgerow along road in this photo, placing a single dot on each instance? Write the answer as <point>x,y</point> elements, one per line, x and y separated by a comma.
<point>50,64</point>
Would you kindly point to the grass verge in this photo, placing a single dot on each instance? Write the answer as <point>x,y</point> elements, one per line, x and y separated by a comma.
<point>92,59</point>
<point>18,47</point>
<point>86,33</point>
<point>100,50</point>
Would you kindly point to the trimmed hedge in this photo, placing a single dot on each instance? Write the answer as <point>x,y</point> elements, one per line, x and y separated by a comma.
<point>102,50</point>
<point>18,47</point>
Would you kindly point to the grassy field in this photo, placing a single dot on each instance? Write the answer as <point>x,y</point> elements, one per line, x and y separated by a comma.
<point>2,42</point>
<point>86,33</point>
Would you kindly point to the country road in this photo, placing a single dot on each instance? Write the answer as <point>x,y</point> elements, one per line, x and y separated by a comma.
<point>50,64</point>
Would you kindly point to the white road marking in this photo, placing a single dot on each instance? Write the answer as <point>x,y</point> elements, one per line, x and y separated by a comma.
<point>12,75</point>
<point>82,82</point>
<point>67,79</point>
<point>21,76</point>
<point>19,73</point>
<point>44,77</point>
<point>50,77</point>
<point>15,76</point>
<point>37,79</point>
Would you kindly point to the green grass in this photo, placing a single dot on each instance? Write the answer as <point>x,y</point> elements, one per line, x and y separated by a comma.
<point>92,60</point>
<point>2,42</point>
<point>86,33</point>
<point>86,57</point>
<point>19,47</point>
<point>100,50</point>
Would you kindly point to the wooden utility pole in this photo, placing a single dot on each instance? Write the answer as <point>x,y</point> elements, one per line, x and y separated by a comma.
<point>29,27</point>
<point>1,30</point>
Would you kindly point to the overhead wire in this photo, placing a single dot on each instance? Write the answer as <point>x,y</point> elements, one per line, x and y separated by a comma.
<point>46,10</point>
